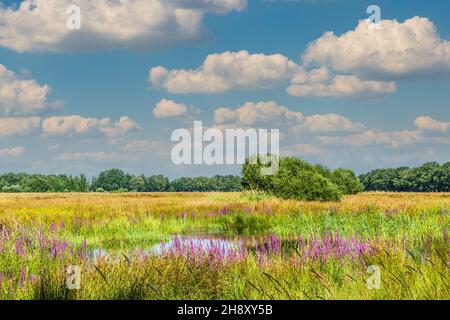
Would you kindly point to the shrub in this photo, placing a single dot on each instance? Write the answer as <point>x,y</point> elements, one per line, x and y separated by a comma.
<point>298,179</point>
<point>347,181</point>
<point>12,189</point>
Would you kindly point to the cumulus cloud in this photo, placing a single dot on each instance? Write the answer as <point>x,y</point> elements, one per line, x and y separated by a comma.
<point>20,96</point>
<point>76,125</point>
<point>242,70</point>
<point>265,112</point>
<point>344,86</point>
<point>395,50</point>
<point>169,108</point>
<point>40,25</point>
<point>226,71</point>
<point>362,63</point>
<point>426,123</point>
<point>11,152</point>
<point>273,114</point>
<point>332,122</point>
<point>120,128</point>
<point>18,125</point>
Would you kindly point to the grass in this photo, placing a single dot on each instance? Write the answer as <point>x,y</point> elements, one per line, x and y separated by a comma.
<point>332,246</point>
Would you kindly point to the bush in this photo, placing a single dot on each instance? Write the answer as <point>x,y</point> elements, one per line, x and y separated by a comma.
<point>12,189</point>
<point>100,190</point>
<point>298,179</point>
<point>347,181</point>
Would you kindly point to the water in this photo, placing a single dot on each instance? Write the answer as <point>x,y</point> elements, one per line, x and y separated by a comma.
<point>204,243</point>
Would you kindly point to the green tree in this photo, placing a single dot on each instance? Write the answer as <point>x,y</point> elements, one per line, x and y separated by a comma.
<point>346,180</point>
<point>111,180</point>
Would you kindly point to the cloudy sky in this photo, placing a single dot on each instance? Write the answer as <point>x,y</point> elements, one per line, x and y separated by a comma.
<point>342,92</point>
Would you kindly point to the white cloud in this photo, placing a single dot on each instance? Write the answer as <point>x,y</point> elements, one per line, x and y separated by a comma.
<point>265,112</point>
<point>319,123</point>
<point>226,71</point>
<point>242,70</point>
<point>40,25</point>
<point>11,152</point>
<point>272,114</point>
<point>120,128</point>
<point>344,86</point>
<point>76,125</point>
<point>372,137</point>
<point>18,126</point>
<point>426,123</point>
<point>19,96</point>
<point>93,156</point>
<point>169,108</point>
<point>394,50</point>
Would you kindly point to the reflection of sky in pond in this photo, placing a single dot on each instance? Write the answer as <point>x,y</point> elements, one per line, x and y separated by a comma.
<point>204,243</point>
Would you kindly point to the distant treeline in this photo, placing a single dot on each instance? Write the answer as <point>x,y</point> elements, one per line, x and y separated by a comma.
<point>430,177</point>
<point>296,178</point>
<point>115,180</point>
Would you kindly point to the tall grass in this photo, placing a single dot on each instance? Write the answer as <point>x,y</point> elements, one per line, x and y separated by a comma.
<point>289,249</point>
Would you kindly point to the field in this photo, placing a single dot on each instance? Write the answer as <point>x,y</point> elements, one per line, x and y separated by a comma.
<point>224,246</point>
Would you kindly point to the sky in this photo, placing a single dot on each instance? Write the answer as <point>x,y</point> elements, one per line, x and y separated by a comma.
<point>343,91</point>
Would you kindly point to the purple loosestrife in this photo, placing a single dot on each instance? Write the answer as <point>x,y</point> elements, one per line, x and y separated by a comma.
<point>20,250</point>
<point>22,277</point>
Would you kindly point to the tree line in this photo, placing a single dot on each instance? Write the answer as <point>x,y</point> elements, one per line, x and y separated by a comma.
<point>115,180</point>
<point>295,179</point>
<point>430,177</point>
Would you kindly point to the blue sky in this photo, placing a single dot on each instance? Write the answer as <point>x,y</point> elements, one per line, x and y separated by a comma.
<point>395,117</point>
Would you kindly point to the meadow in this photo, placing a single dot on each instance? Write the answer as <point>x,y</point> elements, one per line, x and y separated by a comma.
<point>224,246</point>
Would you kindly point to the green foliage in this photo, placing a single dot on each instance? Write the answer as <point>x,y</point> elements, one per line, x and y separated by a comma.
<point>22,182</point>
<point>346,180</point>
<point>203,184</point>
<point>297,179</point>
<point>12,189</point>
<point>430,177</point>
<point>111,180</point>
<point>114,180</point>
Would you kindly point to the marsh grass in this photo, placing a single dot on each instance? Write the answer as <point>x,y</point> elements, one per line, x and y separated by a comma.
<point>407,234</point>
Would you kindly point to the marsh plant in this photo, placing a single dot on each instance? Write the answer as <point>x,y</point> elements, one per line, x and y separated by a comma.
<point>223,246</point>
